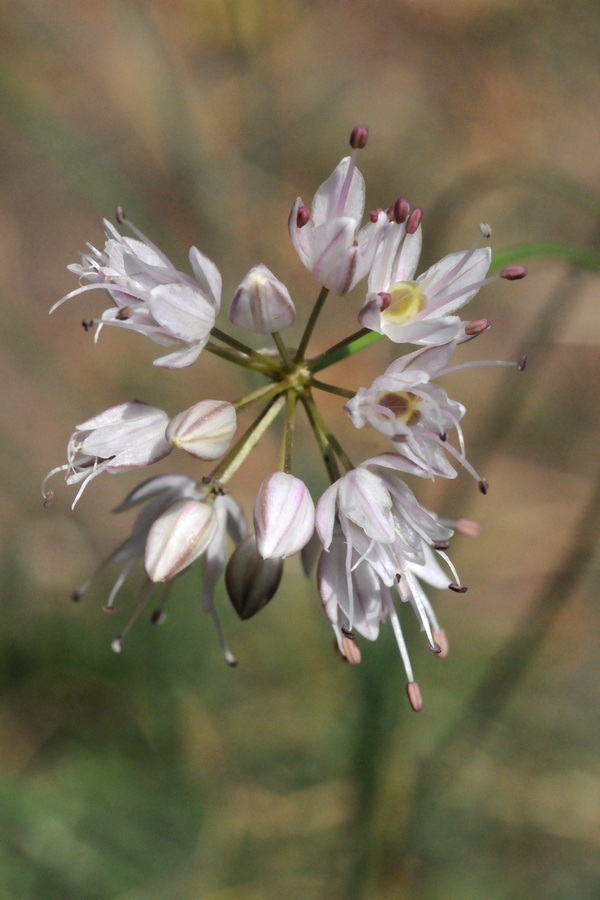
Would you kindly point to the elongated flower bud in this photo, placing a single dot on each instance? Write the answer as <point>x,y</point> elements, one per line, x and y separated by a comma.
<point>284,516</point>
<point>204,430</point>
<point>251,581</point>
<point>178,538</point>
<point>262,303</point>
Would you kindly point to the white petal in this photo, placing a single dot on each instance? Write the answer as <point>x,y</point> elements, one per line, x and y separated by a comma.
<point>182,311</point>
<point>284,516</point>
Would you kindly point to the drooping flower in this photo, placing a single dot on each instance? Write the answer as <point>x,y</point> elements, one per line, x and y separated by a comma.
<point>284,516</point>
<point>205,430</point>
<point>150,295</point>
<point>124,437</point>
<point>262,303</point>
<point>328,241</point>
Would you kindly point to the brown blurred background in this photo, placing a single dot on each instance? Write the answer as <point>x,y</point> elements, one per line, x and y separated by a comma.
<point>160,773</point>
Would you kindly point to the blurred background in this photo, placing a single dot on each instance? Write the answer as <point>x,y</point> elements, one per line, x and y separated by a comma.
<point>159,772</point>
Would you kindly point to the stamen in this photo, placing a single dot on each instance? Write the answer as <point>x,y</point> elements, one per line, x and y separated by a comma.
<point>350,648</point>
<point>302,216</point>
<point>398,632</point>
<point>521,365</point>
<point>468,527</point>
<point>458,588</point>
<point>143,597</point>
<point>401,210</point>
<point>414,696</point>
<point>359,137</point>
<point>386,299</point>
<point>87,324</point>
<point>476,327</point>
<point>159,615</point>
<point>442,640</point>
<point>452,568</point>
<point>374,215</point>
<point>441,545</point>
<point>485,230</point>
<point>513,273</point>
<point>48,495</point>
<point>473,364</point>
<point>414,220</point>
<point>120,215</point>
<point>483,486</point>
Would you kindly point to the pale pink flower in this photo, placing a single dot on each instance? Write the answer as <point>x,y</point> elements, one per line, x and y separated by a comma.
<point>178,537</point>
<point>284,516</point>
<point>205,430</point>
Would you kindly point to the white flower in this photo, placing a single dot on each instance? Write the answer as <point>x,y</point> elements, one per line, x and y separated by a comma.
<point>421,311</point>
<point>151,296</point>
<point>178,537</point>
<point>128,436</point>
<point>205,430</point>
<point>284,516</point>
<point>262,303</point>
<point>329,242</point>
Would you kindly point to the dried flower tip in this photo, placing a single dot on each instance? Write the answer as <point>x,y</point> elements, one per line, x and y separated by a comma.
<point>401,210</point>
<point>386,299</point>
<point>477,326</point>
<point>350,649</point>
<point>483,486</point>
<point>87,324</point>
<point>302,216</point>
<point>441,545</point>
<point>48,498</point>
<point>439,636</point>
<point>158,617</point>
<point>120,215</point>
<point>458,588</point>
<point>359,137</point>
<point>414,220</point>
<point>522,364</point>
<point>485,230</point>
<point>109,610</point>
<point>117,644</point>
<point>468,527</point>
<point>513,273</point>
<point>205,430</point>
<point>414,696</point>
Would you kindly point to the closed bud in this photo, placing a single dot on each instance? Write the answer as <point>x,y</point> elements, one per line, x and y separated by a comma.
<point>250,580</point>
<point>284,516</point>
<point>262,303</point>
<point>178,537</point>
<point>205,430</point>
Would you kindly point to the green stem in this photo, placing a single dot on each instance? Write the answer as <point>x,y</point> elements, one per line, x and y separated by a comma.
<point>324,445</point>
<point>331,388</point>
<point>326,431</point>
<point>243,348</point>
<point>320,302</point>
<point>282,350</point>
<point>288,435</point>
<point>350,345</point>
<point>579,256</point>
<point>239,360</point>
<point>260,395</point>
<point>236,456</point>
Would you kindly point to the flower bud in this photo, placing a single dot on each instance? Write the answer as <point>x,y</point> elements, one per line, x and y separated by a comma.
<point>204,430</point>
<point>178,537</point>
<point>262,303</point>
<point>284,516</point>
<point>250,580</point>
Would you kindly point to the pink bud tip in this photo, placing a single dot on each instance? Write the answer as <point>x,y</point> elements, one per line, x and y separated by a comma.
<point>109,610</point>
<point>302,216</point>
<point>477,326</point>
<point>401,210</point>
<point>351,650</point>
<point>359,137</point>
<point>373,216</point>
<point>386,299</point>
<point>414,696</point>
<point>468,527</point>
<point>513,273</point>
<point>120,215</point>
<point>485,230</point>
<point>48,498</point>
<point>458,588</point>
<point>483,486</point>
<point>439,636</point>
<point>414,220</point>
<point>522,364</point>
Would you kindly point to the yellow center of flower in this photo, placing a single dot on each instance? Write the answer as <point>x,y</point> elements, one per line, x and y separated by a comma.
<point>403,404</point>
<point>407,301</point>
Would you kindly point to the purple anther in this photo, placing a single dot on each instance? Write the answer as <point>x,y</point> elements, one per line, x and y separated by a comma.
<point>458,588</point>
<point>476,327</point>
<point>414,220</point>
<point>521,365</point>
<point>513,273</point>
<point>302,216</point>
<point>373,216</point>
<point>359,137</point>
<point>386,299</point>
<point>401,210</point>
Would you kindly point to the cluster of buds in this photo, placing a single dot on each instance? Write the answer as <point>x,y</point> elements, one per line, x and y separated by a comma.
<point>376,545</point>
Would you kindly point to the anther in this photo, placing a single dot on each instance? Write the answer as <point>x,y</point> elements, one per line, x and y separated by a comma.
<point>76,596</point>
<point>401,210</point>
<point>386,299</point>
<point>359,137</point>
<point>87,324</point>
<point>109,610</point>
<point>522,364</point>
<point>483,486</point>
<point>158,617</point>
<point>414,696</point>
<point>485,230</point>
<point>468,527</point>
<point>351,650</point>
<point>477,326</point>
<point>48,498</point>
<point>439,636</point>
<point>435,648</point>
<point>117,644</point>
<point>441,545</point>
<point>302,216</point>
<point>414,220</point>
<point>443,436</point>
<point>120,215</point>
<point>458,588</point>
<point>374,215</point>
<point>513,273</point>
<point>124,313</point>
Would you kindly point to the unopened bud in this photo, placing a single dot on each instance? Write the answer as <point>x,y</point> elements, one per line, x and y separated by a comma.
<point>250,580</point>
<point>302,216</point>
<point>178,537</point>
<point>401,210</point>
<point>359,137</point>
<point>513,273</point>
<point>414,220</point>
<point>351,650</point>
<point>477,326</point>
<point>262,303</point>
<point>205,430</point>
<point>284,516</point>
<point>485,230</point>
<point>439,636</point>
<point>414,696</point>
<point>468,527</point>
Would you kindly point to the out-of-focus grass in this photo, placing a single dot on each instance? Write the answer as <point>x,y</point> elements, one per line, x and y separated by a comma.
<point>159,772</point>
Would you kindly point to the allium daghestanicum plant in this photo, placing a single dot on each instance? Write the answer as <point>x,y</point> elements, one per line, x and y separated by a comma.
<point>378,545</point>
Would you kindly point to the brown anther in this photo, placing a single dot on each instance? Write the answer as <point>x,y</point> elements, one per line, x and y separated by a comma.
<point>401,210</point>
<point>513,273</point>
<point>386,299</point>
<point>439,636</point>
<point>120,215</point>
<point>477,326</point>
<point>435,648</point>
<point>522,364</point>
<point>351,650</point>
<point>458,588</point>
<point>441,545</point>
<point>468,527</point>
<point>76,596</point>
<point>48,498</point>
<point>443,436</point>
<point>87,324</point>
<point>302,216</point>
<point>414,696</point>
<point>483,486</point>
<point>124,313</point>
<point>485,230</point>
<point>109,610</point>
<point>359,137</point>
<point>158,617</point>
<point>414,220</point>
